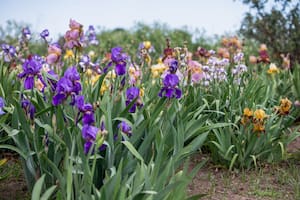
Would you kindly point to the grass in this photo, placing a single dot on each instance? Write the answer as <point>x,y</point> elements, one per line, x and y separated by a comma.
<point>268,182</point>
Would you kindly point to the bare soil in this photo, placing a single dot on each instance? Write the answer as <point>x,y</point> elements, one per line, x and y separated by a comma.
<point>269,182</point>
<point>13,185</point>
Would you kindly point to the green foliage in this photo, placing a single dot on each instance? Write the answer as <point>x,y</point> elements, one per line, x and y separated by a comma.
<point>277,27</point>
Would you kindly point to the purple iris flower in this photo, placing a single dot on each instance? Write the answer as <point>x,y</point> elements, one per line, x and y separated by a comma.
<point>44,34</point>
<point>91,34</point>
<point>85,62</point>
<point>88,114</point>
<point>31,69</point>
<point>89,132</point>
<point>120,68</point>
<point>79,102</point>
<point>117,55</point>
<point>68,85</point>
<point>131,94</point>
<point>63,88</point>
<point>86,109</point>
<point>171,80</point>
<point>72,74</point>
<point>170,89</point>
<point>28,108</point>
<point>125,128</point>
<point>26,33</point>
<point>9,52</point>
<point>173,66</point>
<point>119,59</point>
<point>1,106</point>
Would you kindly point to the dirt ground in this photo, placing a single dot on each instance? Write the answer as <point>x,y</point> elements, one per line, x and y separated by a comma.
<point>270,182</point>
<point>13,186</point>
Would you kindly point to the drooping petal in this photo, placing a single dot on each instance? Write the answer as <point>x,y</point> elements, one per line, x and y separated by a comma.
<point>120,68</point>
<point>58,98</point>
<point>178,93</point>
<point>169,92</point>
<point>107,67</point>
<point>87,146</point>
<point>31,111</point>
<point>161,92</point>
<point>79,102</point>
<point>29,82</point>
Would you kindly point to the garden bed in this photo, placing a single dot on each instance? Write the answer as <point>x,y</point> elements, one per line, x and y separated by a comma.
<point>270,181</point>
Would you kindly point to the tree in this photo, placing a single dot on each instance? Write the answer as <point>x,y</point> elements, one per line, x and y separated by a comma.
<point>278,27</point>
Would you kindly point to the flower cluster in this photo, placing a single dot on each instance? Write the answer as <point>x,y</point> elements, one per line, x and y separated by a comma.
<point>90,133</point>
<point>284,107</point>
<point>143,51</point>
<point>232,42</point>
<point>195,68</point>
<point>215,70</point>
<point>170,88</point>
<point>247,116</point>
<point>119,59</point>
<point>85,63</point>
<point>28,107</point>
<point>240,68</point>
<point>257,118</point>
<point>263,54</point>
<point>31,69</point>
<point>73,36</point>
<point>68,85</point>
<point>158,69</point>
<point>132,94</point>
<point>273,69</point>
<point>230,46</point>
<point>134,73</point>
<point>125,128</point>
<point>91,37</point>
<point>202,52</point>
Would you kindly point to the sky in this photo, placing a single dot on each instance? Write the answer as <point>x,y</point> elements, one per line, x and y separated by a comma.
<point>213,16</point>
